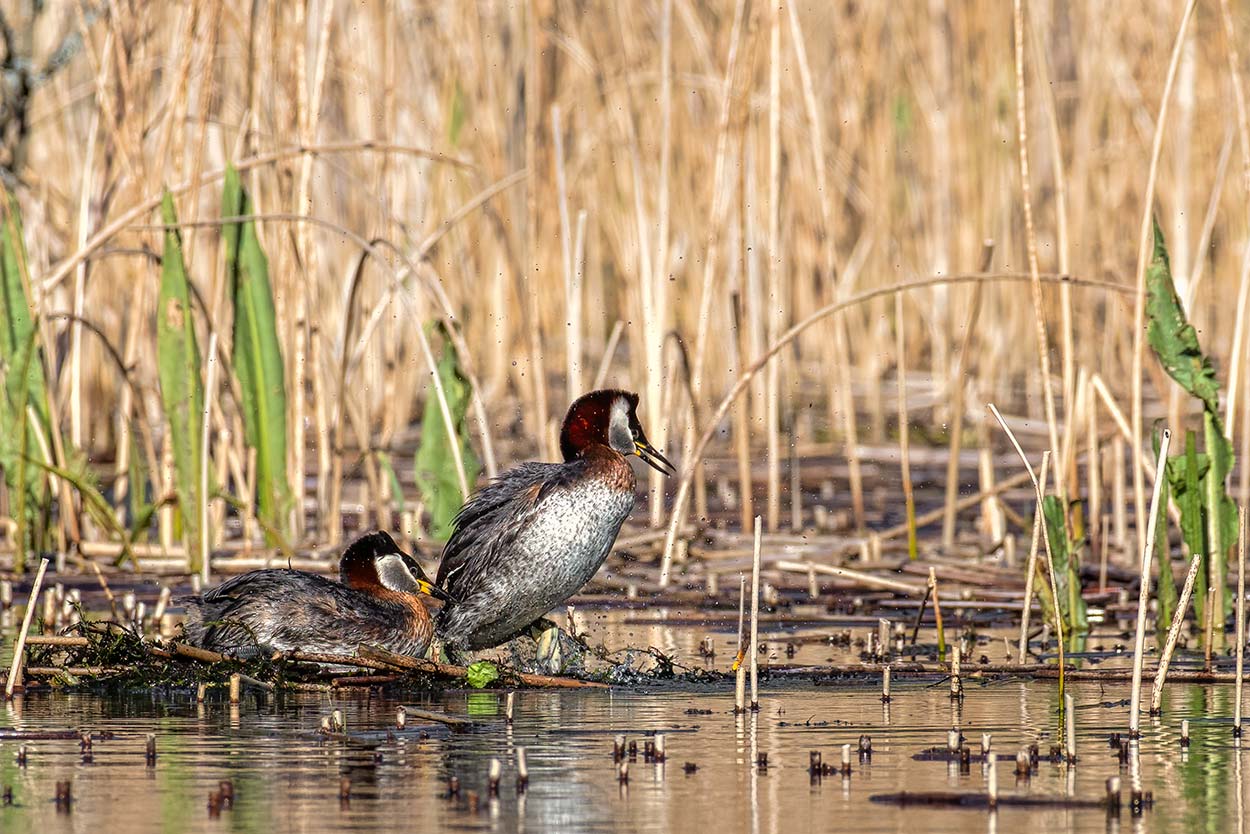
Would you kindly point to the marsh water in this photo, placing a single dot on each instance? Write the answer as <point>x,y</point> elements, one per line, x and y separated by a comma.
<point>287,777</point>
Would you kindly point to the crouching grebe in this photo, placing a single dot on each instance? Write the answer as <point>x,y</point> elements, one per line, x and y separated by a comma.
<point>535,535</point>
<point>378,603</point>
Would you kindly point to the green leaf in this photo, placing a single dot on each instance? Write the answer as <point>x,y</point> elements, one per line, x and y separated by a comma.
<point>25,385</point>
<point>482,673</point>
<point>257,356</point>
<point>1170,334</point>
<point>434,465</point>
<point>1066,564</point>
<point>182,390</point>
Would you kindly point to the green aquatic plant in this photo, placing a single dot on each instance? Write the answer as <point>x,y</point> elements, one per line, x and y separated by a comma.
<point>182,390</point>
<point>434,464</point>
<point>24,399</point>
<point>1065,561</point>
<point>257,358</point>
<point>1198,480</point>
<point>482,674</point>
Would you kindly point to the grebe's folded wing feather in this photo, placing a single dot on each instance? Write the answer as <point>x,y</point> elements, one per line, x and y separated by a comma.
<point>493,517</point>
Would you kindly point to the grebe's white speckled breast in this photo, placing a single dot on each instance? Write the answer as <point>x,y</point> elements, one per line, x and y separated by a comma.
<point>559,550</point>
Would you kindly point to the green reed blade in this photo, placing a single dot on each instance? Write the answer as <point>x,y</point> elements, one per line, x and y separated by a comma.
<point>257,356</point>
<point>182,389</point>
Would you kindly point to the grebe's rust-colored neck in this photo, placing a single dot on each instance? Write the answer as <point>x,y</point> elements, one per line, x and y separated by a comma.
<point>610,466</point>
<point>417,620</point>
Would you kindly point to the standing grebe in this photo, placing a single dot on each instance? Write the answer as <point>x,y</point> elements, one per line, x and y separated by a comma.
<point>535,535</point>
<point>378,603</point>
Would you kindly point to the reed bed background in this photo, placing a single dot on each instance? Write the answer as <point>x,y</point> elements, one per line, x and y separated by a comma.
<point>648,195</point>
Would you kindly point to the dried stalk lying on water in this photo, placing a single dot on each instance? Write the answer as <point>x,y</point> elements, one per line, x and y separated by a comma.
<point>116,655</point>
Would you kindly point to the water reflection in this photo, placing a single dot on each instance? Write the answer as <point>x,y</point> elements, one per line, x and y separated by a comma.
<point>287,778</point>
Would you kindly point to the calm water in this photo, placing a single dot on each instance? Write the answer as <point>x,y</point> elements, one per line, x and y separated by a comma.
<point>286,777</point>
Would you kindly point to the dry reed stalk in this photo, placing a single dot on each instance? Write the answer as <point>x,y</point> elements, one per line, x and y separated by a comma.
<point>774,301</point>
<point>1143,595</point>
<point>957,384</point>
<point>741,426</point>
<point>740,671</point>
<point>1119,494</point>
<point>691,462</point>
<point>1143,258</point>
<point>720,193</point>
<point>904,440</point>
<point>1031,567</point>
<point>993,523</point>
<point>1174,633</point>
<point>1243,135</point>
<point>1208,629</point>
<point>1104,546</point>
<point>1093,479</point>
<point>937,614</point>
<point>866,580</point>
<point>1059,169</point>
<point>1035,284</point>
<point>1050,559</point>
<point>19,647</point>
<point>755,617</point>
<point>1241,616</point>
<point>841,377</point>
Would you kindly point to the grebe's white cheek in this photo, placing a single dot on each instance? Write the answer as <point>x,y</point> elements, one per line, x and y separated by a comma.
<point>394,574</point>
<point>620,437</point>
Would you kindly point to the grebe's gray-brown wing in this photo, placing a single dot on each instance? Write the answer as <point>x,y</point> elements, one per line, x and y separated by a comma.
<point>250,610</point>
<point>283,610</point>
<point>488,525</point>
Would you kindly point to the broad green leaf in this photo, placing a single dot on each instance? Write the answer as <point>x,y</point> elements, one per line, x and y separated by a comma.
<point>25,386</point>
<point>182,390</point>
<point>434,465</point>
<point>257,356</point>
<point>482,674</point>
<point>1064,560</point>
<point>1171,336</point>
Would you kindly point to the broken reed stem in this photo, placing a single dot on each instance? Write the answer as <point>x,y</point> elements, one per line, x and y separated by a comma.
<point>1208,629</point>
<point>937,615</point>
<point>1174,633</point>
<point>1241,617</point>
<point>740,671</point>
<point>1022,651</point>
<point>1143,594</point>
<point>1050,559</point>
<point>19,648</point>
<point>1070,724</point>
<point>755,617</point>
<point>904,445</point>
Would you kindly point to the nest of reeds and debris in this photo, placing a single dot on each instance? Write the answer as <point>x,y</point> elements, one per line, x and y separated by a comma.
<point>104,654</point>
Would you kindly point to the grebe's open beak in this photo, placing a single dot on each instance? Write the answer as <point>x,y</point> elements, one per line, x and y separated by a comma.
<point>654,458</point>
<point>433,590</point>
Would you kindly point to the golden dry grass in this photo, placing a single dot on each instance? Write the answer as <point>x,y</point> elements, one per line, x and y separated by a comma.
<point>664,163</point>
